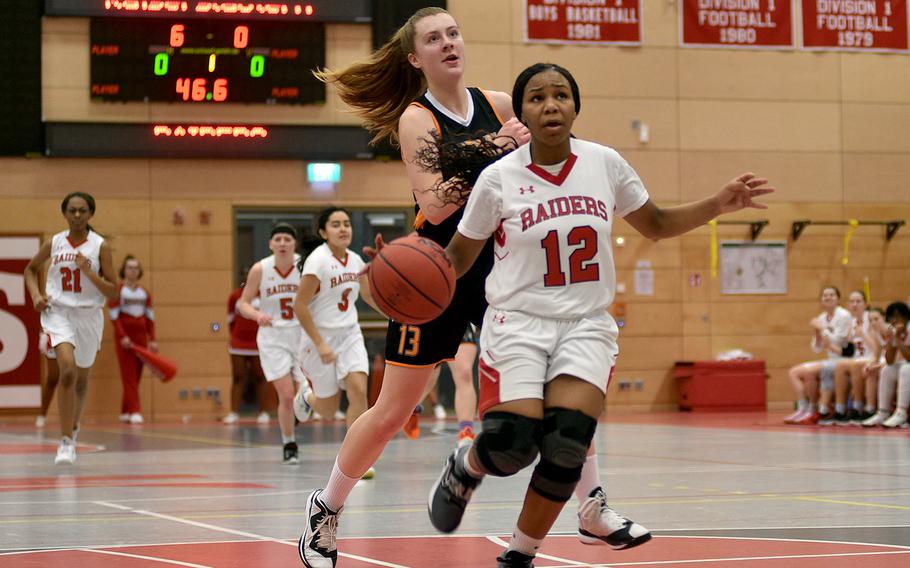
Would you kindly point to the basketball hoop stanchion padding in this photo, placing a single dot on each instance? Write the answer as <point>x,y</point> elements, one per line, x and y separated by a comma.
<point>161,366</point>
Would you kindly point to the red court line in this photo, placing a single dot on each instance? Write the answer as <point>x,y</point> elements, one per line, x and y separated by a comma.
<point>474,552</point>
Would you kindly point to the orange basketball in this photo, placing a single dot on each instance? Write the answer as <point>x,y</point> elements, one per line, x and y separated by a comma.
<point>412,280</point>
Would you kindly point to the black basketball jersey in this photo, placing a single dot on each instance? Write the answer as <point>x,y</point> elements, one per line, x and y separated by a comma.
<point>483,122</point>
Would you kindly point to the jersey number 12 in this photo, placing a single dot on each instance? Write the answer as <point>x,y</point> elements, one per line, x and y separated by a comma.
<point>578,270</point>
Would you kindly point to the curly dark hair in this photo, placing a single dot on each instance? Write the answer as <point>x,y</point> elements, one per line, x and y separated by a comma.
<point>460,162</point>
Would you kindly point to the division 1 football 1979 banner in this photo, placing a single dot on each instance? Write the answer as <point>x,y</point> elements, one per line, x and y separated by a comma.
<point>756,24</point>
<point>855,25</point>
<point>583,21</point>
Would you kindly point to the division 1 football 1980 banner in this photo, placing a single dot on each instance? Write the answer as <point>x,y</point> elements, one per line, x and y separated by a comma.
<point>583,21</point>
<point>855,25</point>
<point>20,363</point>
<point>756,24</point>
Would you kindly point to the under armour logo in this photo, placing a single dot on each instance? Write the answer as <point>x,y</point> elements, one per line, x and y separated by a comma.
<point>499,318</point>
<point>529,189</point>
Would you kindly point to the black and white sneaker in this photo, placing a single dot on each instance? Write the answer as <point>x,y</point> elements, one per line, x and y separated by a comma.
<point>317,546</point>
<point>450,494</point>
<point>290,454</point>
<point>514,559</point>
<point>599,524</point>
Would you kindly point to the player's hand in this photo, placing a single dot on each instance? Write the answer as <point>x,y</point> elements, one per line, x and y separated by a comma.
<point>900,331</point>
<point>512,134</point>
<point>740,192</point>
<point>326,353</point>
<point>83,262</point>
<point>40,303</point>
<point>126,342</point>
<point>371,252</point>
<point>264,320</point>
<point>818,324</point>
<point>153,346</point>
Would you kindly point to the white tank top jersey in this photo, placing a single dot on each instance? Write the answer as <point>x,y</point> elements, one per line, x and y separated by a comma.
<point>554,256</point>
<point>135,303</point>
<point>339,287</point>
<point>66,285</point>
<point>277,292</point>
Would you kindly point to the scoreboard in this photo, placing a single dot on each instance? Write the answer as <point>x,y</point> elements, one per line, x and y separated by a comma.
<point>206,61</point>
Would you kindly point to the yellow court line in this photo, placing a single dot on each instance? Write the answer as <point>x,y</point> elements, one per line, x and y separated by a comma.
<point>211,441</point>
<point>855,503</point>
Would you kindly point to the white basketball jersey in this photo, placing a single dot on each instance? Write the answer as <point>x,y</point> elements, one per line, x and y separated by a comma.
<point>66,284</point>
<point>339,287</point>
<point>552,230</point>
<point>277,292</point>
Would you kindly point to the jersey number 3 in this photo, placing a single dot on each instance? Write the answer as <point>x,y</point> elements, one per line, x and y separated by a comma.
<point>344,304</point>
<point>71,280</point>
<point>585,236</point>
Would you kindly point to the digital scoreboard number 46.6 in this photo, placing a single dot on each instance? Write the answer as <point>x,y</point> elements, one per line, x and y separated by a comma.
<point>206,61</point>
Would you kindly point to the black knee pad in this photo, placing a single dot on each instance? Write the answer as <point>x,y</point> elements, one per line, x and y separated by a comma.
<point>508,443</point>
<point>565,438</point>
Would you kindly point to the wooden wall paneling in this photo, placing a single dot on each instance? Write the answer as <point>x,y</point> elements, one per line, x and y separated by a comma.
<point>758,75</point>
<point>877,127</point>
<point>192,323</point>
<point>652,319</point>
<point>872,177</point>
<point>874,77</point>
<point>608,72</point>
<point>192,287</point>
<point>612,121</point>
<point>760,126</point>
<point>810,177</point>
<point>658,170</point>
<point>488,22</point>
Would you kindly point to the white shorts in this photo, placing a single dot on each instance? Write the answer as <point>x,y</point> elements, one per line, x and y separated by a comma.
<point>45,347</point>
<point>80,327</point>
<point>521,353</point>
<point>278,348</point>
<point>350,357</point>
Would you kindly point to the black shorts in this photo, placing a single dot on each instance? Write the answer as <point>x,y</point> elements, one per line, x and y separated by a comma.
<point>430,343</point>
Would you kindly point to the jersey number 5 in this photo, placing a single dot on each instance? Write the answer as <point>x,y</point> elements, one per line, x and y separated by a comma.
<point>287,308</point>
<point>578,270</point>
<point>71,280</point>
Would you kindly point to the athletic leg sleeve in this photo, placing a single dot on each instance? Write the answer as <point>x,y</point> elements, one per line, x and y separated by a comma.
<point>564,443</point>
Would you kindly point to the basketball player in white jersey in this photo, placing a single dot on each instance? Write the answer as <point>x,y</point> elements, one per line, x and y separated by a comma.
<point>333,355</point>
<point>548,344</point>
<point>79,278</point>
<point>275,279</point>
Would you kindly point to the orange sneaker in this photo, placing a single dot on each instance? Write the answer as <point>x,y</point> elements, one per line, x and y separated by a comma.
<point>411,428</point>
<point>466,437</point>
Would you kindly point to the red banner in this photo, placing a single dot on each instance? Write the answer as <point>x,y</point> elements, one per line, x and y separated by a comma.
<point>855,25</point>
<point>20,364</point>
<point>758,24</point>
<point>583,21</point>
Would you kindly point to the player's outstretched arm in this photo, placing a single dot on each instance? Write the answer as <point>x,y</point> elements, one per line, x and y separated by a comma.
<point>463,251</point>
<point>660,223</point>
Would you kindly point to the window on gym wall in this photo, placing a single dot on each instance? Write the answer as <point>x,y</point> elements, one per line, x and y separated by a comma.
<point>253,225</point>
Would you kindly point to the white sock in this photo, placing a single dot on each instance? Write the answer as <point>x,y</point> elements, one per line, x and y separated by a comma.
<point>288,439</point>
<point>590,478</point>
<point>802,405</point>
<point>338,488</point>
<point>840,408</point>
<point>524,544</point>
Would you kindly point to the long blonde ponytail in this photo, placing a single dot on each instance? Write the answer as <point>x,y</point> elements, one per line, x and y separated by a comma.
<point>381,87</point>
